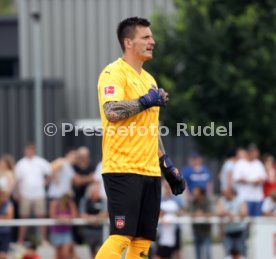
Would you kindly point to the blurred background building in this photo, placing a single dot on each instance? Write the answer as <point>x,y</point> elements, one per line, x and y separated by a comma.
<point>78,38</point>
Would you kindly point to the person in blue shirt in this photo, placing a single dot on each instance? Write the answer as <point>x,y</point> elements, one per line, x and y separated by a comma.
<point>196,174</point>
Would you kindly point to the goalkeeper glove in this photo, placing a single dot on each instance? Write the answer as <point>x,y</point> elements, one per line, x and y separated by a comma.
<point>155,97</point>
<point>175,181</point>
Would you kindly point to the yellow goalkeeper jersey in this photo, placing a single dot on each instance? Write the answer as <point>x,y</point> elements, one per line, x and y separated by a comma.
<point>129,145</point>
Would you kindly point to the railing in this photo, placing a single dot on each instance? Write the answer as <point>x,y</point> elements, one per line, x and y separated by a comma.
<point>178,220</point>
<point>262,229</point>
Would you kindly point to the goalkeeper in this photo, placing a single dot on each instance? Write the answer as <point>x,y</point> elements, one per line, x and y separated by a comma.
<point>131,163</point>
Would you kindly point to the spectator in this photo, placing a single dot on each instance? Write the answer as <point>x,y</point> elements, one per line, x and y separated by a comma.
<point>63,209</point>
<point>31,171</point>
<point>62,175</point>
<point>6,212</point>
<point>249,175</point>
<point>230,207</point>
<point>93,209</point>
<point>84,173</point>
<point>169,239</point>
<point>240,172</point>
<point>269,205</point>
<point>99,178</point>
<point>227,170</point>
<point>270,183</point>
<point>197,175</point>
<point>7,171</point>
<point>200,206</point>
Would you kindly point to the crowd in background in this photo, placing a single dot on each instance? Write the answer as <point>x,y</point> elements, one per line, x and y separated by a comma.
<point>71,187</point>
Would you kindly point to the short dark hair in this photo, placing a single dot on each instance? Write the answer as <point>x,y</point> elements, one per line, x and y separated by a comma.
<point>126,28</point>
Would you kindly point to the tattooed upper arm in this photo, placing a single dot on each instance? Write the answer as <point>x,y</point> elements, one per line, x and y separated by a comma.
<point>116,111</point>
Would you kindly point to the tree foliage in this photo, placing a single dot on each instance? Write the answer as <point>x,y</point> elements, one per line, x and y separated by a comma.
<point>217,60</point>
<point>7,7</point>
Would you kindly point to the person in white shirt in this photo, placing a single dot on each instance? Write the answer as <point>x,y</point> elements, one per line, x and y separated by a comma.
<point>249,175</point>
<point>230,207</point>
<point>269,205</point>
<point>227,170</point>
<point>99,178</point>
<point>31,175</point>
<point>62,175</point>
<point>171,207</point>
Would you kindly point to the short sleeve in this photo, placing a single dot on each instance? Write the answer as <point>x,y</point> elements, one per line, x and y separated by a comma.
<point>46,167</point>
<point>111,86</point>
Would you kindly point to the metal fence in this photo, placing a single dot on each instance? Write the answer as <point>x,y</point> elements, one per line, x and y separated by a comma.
<point>261,239</point>
<point>17,115</point>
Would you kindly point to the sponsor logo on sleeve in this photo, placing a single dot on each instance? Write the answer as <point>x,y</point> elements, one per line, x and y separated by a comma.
<point>109,91</point>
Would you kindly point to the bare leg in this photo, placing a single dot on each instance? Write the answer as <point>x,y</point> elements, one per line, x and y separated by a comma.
<point>21,234</point>
<point>43,231</point>
<point>66,251</point>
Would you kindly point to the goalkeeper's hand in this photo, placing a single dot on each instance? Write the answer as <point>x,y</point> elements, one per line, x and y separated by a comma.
<point>171,174</point>
<point>155,97</point>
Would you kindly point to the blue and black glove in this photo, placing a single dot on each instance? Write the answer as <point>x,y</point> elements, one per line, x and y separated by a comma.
<point>155,97</point>
<point>175,181</point>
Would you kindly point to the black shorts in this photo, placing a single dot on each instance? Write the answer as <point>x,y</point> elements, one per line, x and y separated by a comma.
<point>133,204</point>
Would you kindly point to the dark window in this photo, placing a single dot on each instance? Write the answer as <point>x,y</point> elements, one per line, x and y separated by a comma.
<point>8,67</point>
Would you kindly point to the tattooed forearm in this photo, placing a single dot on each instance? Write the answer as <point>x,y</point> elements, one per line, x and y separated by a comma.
<point>116,111</point>
<point>161,149</point>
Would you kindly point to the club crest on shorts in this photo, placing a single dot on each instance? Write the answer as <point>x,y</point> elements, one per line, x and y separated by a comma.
<point>120,221</point>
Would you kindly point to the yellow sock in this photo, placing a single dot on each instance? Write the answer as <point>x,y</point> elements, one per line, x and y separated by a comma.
<point>138,249</point>
<point>113,247</point>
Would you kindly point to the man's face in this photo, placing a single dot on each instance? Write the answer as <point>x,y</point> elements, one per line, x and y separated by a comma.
<point>83,158</point>
<point>29,151</point>
<point>195,162</point>
<point>254,154</point>
<point>142,44</point>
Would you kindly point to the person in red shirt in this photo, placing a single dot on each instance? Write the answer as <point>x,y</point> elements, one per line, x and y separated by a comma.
<point>270,183</point>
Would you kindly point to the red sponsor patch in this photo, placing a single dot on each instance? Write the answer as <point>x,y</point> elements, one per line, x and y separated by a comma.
<point>119,222</point>
<point>109,90</point>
